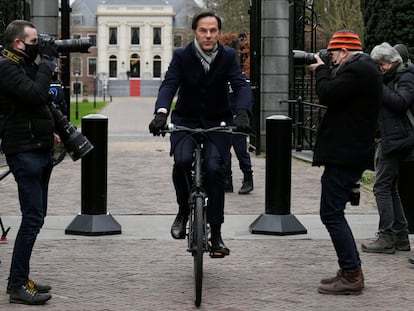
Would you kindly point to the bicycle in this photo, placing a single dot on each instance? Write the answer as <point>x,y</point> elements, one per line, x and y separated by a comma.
<point>198,230</point>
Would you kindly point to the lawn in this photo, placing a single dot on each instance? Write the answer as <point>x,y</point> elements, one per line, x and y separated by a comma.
<point>84,108</point>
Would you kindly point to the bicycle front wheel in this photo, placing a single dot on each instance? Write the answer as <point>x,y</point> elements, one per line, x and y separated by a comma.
<point>199,249</point>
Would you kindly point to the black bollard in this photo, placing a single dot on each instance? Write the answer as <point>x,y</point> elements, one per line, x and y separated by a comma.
<point>94,219</point>
<point>277,218</point>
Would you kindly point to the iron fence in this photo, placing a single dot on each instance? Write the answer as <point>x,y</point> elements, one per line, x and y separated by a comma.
<point>306,118</point>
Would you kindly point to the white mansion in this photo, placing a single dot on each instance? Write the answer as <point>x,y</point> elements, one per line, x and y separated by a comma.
<point>133,43</point>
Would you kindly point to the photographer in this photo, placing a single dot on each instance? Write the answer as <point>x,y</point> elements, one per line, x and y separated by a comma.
<point>351,89</point>
<point>27,142</point>
<point>395,139</point>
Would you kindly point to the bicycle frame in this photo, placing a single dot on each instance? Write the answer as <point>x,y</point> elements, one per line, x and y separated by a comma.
<point>196,192</point>
<point>198,229</point>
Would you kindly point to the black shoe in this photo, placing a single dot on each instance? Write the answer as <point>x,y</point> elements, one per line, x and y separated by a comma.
<point>39,287</point>
<point>247,185</point>
<point>178,228</point>
<point>27,294</point>
<point>218,249</point>
<point>411,260</point>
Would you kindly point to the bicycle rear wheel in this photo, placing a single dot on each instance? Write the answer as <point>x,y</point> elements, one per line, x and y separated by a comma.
<point>198,253</point>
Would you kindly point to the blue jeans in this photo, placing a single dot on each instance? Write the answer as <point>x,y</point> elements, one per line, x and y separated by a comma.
<point>337,182</point>
<point>32,172</point>
<point>214,177</point>
<point>391,213</point>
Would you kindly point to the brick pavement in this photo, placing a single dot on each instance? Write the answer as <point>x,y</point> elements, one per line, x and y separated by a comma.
<point>135,273</point>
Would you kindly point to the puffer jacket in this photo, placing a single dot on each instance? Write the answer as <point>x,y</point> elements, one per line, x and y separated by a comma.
<point>24,88</point>
<point>396,131</point>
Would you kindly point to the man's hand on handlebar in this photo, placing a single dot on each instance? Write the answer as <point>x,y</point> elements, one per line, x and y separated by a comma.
<point>158,124</point>
<point>242,121</point>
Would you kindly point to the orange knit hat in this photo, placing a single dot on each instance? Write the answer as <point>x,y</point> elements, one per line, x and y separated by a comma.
<point>345,39</point>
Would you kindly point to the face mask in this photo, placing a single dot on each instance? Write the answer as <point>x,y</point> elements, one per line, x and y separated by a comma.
<point>31,50</point>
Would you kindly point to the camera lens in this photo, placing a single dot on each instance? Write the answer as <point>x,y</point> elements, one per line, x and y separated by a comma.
<point>303,58</point>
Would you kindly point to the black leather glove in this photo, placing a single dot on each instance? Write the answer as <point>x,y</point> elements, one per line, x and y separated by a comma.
<point>242,121</point>
<point>48,50</point>
<point>158,123</point>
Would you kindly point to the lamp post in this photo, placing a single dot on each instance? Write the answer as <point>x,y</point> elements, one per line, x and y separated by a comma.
<point>77,91</point>
<point>94,91</point>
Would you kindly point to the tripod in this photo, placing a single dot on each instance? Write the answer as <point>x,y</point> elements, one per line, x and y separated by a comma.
<point>3,238</point>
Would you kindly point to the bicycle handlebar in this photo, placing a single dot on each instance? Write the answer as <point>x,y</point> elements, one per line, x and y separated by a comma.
<point>223,128</point>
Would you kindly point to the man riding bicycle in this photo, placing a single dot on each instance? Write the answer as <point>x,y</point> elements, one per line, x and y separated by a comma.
<point>201,72</point>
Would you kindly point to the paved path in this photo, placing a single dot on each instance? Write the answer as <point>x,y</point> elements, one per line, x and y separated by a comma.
<point>144,269</point>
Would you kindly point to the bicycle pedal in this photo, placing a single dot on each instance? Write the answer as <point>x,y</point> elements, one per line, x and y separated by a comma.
<point>217,255</point>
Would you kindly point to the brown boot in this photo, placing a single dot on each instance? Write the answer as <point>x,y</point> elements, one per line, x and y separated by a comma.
<point>348,282</point>
<point>332,279</point>
<point>329,280</point>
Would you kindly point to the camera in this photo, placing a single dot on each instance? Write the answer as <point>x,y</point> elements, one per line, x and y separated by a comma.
<point>304,58</point>
<point>76,144</point>
<point>80,45</point>
<point>355,194</point>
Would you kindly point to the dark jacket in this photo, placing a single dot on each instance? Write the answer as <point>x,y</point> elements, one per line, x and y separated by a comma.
<point>353,98</point>
<point>396,131</point>
<point>203,98</point>
<point>24,91</point>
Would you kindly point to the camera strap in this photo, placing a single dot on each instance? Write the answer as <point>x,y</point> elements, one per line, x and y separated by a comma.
<point>11,56</point>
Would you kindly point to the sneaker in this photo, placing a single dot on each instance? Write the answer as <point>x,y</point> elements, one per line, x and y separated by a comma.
<point>39,287</point>
<point>383,244</point>
<point>28,295</point>
<point>347,283</point>
<point>401,241</point>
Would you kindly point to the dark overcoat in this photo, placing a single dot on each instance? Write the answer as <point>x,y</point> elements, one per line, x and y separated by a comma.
<point>396,131</point>
<point>203,97</point>
<point>353,98</point>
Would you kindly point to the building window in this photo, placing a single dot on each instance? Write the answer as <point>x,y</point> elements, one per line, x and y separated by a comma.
<point>91,66</point>
<point>156,66</point>
<point>77,65</point>
<point>135,35</point>
<point>113,35</point>
<point>156,40</point>
<point>76,20</point>
<point>178,41</point>
<point>113,66</point>
<point>135,66</point>
<point>92,39</point>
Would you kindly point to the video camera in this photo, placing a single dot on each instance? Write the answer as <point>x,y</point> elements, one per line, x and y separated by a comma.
<point>76,144</point>
<point>304,58</point>
<point>80,45</point>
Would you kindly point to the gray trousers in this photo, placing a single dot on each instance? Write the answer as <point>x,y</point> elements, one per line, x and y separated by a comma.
<point>391,213</point>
